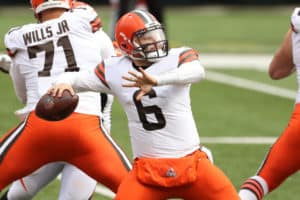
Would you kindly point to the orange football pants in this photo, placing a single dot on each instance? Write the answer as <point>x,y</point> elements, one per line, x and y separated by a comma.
<point>283,158</point>
<point>211,184</point>
<point>78,140</point>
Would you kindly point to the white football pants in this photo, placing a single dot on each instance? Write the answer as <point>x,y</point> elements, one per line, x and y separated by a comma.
<point>75,185</point>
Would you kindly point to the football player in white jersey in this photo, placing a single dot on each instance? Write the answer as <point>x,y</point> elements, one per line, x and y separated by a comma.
<point>62,41</point>
<point>169,162</point>
<point>282,159</point>
<point>75,184</point>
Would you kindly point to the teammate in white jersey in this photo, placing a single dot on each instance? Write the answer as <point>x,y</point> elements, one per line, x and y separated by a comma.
<point>169,162</point>
<point>61,42</point>
<point>75,184</point>
<point>282,159</point>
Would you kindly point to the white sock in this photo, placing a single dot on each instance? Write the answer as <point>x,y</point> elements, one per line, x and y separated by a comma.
<point>254,188</point>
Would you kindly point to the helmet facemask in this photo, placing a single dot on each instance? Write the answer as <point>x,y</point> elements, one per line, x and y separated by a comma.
<point>149,44</point>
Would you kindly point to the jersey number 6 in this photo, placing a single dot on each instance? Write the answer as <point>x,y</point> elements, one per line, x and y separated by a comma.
<point>144,110</point>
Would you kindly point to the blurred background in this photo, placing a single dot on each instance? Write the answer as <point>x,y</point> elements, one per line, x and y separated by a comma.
<point>186,2</point>
<point>238,109</point>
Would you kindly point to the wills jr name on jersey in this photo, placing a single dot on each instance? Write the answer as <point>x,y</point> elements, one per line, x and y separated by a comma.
<point>45,32</point>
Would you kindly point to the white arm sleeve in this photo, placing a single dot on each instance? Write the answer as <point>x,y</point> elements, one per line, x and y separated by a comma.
<point>83,81</point>
<point>190,72</point>
<point>20,90</point>
<point>106,110</point>
<point>18,83</point>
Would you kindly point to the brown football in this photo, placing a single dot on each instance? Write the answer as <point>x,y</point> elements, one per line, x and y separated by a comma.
<point>56,108</point>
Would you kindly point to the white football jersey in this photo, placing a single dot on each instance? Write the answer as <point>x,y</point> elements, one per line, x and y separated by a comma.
<point>43,51</point>
<point>161,124</point>
<point>295,23</point>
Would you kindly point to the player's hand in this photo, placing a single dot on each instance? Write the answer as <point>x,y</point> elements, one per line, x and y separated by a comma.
<point>143,80</point>
<point>58,89</point>
<point>5,63</point>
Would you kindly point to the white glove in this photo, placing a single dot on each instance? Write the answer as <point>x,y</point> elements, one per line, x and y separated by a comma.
<point>5,63</point>
<point>208,153</point>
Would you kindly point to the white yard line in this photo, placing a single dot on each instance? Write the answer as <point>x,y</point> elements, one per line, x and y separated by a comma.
<point>249,84</point>
<point>238,140</point>
<point>236,61</point>
<point>242,61</point>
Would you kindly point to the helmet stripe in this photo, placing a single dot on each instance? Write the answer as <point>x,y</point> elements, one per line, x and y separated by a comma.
<point>143,15</point>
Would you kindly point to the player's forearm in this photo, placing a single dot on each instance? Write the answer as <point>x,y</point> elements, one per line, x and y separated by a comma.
<point>187,73</point>
<point>82,81</point>
<point>20,93</point>
<point>19,84</point>
<point>282,64</point>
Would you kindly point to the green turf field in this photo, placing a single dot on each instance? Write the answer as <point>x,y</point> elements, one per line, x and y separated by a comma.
<point>220,110</point>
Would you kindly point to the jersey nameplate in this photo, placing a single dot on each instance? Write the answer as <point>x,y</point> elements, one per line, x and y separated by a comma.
<point>44,33</point>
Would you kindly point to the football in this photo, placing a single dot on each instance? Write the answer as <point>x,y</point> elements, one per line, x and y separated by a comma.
<point>56,108</point>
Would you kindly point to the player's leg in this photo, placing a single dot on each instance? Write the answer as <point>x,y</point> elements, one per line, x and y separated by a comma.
<point>254,188</point>
<point>75,184</point>
<point>29,186</point>
<point>100,157</point>
<point>16,147</point>
<point>32,144</point>
<point>139,190</point>
<point>211,183</point>
<point>282,161</point>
